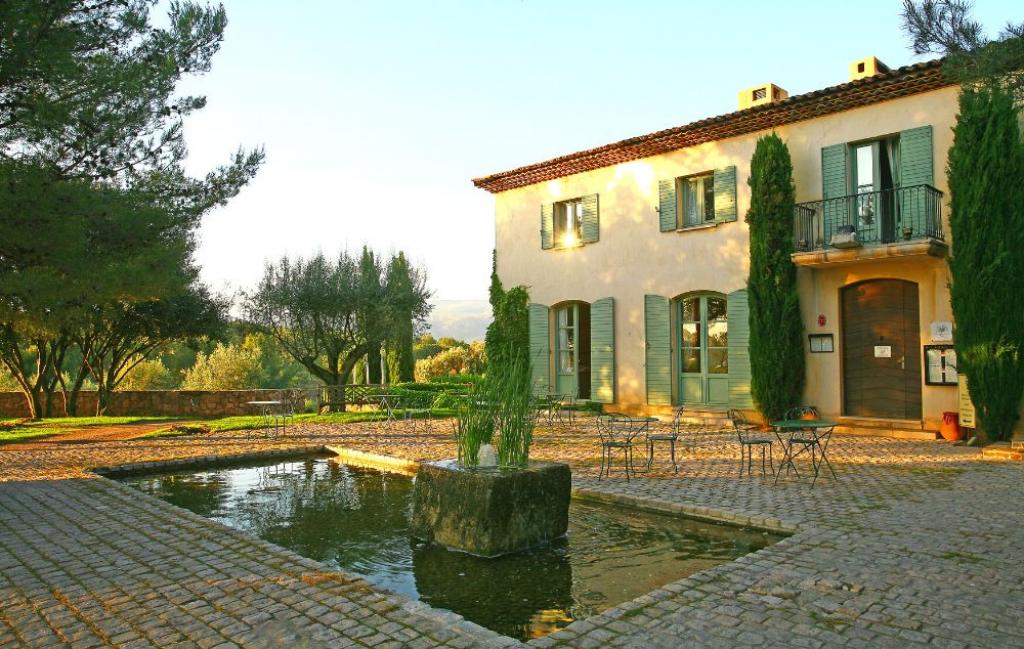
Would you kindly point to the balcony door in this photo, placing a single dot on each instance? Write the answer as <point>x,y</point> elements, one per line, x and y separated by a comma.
<point>873,177</point>
<point>881,350</point>
<point>703,345</point>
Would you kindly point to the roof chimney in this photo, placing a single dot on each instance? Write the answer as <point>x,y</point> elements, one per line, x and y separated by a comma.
<point>766,93</point>
<point>867,67</point>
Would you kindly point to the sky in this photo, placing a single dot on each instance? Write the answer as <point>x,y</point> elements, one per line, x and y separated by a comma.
<point>375,116</point>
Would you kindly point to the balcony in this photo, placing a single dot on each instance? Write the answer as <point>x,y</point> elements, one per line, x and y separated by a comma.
<point>899,222</point>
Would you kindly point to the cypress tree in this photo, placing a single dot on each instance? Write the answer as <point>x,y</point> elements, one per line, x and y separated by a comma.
<point>776,329</point>
<point>986,183</point>
<point>494,339</point>
<point>508,335</point>
<point>402,360</point>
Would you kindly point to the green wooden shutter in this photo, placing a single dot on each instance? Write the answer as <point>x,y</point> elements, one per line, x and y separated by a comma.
<point>657,332</point>
<point>916,168</point>
<point>834,184</point>
<point>668,210</point>
<point>547,226</point>
<point>602,350</point>
<point>738,313</point>
<point>591,219</point>
<point>916,165</point>
<point>725,194</point>
<point>540,349</point>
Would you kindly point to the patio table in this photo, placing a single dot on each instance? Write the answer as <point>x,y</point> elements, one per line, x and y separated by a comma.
<point>265,411</point>
<point>816,435</point>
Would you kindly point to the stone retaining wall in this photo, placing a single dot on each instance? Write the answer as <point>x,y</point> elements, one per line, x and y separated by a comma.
<point>171,403</point>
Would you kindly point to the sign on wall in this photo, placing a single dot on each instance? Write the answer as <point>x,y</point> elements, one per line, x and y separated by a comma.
<point>821,343</point>
<point>942,332</point>
<point>883,351</point>
<point>966,405</point>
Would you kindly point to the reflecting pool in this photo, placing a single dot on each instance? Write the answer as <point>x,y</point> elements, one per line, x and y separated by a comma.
<point>356,519</point>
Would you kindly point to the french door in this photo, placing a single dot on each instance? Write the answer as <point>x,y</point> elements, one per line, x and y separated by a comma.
<point>572,350</point>
<point>703,345</point>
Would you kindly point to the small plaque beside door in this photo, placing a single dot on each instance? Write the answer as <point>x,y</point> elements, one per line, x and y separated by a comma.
<point>883,351</point>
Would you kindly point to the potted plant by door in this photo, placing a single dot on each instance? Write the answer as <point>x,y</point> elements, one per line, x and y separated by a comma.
<point>845,236</point>
<point>493,508</point>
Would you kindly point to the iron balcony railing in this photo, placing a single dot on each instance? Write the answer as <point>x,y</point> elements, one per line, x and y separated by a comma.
<point>869,218</point>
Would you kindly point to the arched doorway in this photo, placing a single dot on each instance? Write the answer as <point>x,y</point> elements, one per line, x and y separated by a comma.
<point>703,349</point>
<point>572,349</point>
<point>881,350</point>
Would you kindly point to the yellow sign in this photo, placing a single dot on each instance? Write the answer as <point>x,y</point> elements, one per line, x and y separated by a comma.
<point>966,405</point>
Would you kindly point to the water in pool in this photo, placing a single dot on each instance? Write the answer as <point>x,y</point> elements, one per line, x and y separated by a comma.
<point>356,519</point>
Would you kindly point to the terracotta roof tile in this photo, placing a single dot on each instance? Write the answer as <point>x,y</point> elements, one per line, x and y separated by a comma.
<point>908,80</point>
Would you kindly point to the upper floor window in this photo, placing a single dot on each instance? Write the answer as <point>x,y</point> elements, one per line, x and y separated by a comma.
<point>705,198</point>
<point>698,199</point>
<point>569,223</point>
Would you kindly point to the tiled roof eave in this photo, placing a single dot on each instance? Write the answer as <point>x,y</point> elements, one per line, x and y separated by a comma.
<point>909,80</point>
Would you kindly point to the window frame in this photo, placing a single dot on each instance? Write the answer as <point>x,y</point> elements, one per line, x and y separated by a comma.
<point>703,331</point>
<point>560,223</point>
<point>682,191</point>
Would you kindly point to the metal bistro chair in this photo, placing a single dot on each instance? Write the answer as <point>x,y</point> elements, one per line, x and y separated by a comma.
<point>567,409</point>
<point>671,437</point>
<point>616,433</point>
<point>284,414</point>
<point>746,432</point>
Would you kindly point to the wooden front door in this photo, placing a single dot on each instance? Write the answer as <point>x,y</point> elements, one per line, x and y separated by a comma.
<point>881,350</point>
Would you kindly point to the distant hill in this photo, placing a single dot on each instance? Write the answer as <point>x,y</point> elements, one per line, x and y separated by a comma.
<point>462,319</point>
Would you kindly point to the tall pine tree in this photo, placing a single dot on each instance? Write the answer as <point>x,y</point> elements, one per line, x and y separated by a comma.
<point>986,170</point>
<point>776,329</point>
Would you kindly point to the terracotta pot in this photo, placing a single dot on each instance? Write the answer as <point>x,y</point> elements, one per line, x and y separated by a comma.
<point>950,427</point>
<point>809,415</point>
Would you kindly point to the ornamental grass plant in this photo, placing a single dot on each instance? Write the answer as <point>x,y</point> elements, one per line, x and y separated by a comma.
<point>499,410</point>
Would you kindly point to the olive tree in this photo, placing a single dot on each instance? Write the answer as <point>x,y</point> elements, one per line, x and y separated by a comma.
<point>328,314</point>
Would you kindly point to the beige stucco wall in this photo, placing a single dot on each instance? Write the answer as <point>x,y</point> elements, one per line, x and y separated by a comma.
<point>634,258</point>
<point>820,291</point>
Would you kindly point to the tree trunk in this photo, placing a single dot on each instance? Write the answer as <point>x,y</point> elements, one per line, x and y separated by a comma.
<point>103,395</point>
<point>373,362</point>
<point>34,402</point>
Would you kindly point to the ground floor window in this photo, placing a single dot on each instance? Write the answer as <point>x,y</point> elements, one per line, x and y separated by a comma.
<point>572,350</point>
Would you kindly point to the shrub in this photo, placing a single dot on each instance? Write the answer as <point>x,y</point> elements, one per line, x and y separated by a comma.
<point>148,375</point>
<point>452,361</point>
<point>227,367</point>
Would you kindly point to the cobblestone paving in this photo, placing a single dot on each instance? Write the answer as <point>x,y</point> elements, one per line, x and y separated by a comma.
<point>916,544</point>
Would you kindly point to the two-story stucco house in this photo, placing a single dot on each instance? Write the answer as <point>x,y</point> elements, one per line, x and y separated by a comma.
<point>635,253</point>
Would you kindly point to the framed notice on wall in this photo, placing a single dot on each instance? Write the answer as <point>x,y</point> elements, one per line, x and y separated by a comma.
<point>821,343</point>
<point>940,365</point>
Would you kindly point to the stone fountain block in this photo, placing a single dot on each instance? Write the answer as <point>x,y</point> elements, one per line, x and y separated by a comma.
<point>490,512</point>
